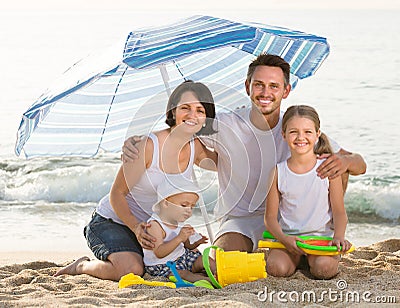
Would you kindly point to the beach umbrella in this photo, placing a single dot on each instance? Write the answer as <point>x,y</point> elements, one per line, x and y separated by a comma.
<point>96,101</point>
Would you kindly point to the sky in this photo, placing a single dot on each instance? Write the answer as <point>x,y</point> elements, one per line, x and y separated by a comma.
<point>190,5</point>
<point>38,19</point>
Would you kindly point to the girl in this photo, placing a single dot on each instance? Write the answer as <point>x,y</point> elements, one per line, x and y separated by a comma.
<point>301,203</point>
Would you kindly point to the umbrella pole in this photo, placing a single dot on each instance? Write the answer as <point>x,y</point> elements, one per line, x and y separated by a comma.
<point>204,213</point>
<point>165,77</point>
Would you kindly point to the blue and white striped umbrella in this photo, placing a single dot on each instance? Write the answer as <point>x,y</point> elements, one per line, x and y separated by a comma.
<point>96,103</point>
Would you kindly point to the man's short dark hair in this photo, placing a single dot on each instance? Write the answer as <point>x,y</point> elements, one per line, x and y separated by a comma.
<point>270,60</point>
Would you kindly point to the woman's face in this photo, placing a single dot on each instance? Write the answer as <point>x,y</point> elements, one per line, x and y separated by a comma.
<point>190,114</point>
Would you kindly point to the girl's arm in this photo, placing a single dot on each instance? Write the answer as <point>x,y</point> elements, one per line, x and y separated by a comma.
<point>163,249</point>
<point>271,218</point>
<point>129,175</point>
<point>205,158</point>
<point>339,213</point>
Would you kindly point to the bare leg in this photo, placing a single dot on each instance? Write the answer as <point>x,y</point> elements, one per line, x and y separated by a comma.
<point>323,267</point>
<point>199,267</point>
<point>192,277</point>
<point>234,241</point>
<point>117,265</point>
<point>75,268</point>
<point>281,264</point>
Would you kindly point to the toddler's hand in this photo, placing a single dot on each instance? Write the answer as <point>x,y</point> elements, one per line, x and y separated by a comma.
<point>186,232</point>
<point>198,239</point>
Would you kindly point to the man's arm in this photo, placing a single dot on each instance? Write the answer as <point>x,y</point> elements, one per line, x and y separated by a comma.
<point>343,163</point>
<point>205,158</point>
<point>130,152</point>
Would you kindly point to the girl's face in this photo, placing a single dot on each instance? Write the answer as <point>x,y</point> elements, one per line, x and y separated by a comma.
<point>301,135</point>
<point>190,114</point>
<point>178,208</point>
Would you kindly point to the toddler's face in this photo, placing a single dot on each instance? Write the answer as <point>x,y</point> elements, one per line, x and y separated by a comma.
<point>180,206</point>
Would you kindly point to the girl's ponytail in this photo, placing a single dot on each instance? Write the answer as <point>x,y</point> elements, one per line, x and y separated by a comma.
<point>323,145</point>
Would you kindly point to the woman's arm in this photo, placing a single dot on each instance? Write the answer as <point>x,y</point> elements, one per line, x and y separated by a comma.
<point>205,158</point>
<point>128,176</point>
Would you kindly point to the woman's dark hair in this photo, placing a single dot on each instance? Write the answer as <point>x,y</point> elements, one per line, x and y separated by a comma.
<point>204,96</point>
<point>304,111</point>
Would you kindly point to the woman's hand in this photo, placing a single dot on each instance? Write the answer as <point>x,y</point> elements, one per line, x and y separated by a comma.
<point>144,239</point>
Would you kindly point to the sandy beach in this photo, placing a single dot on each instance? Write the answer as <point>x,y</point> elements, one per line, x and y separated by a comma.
<point>46,202</point>
<point>371,274</point>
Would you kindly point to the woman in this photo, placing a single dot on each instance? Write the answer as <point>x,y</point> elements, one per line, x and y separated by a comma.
<point>116,233</point>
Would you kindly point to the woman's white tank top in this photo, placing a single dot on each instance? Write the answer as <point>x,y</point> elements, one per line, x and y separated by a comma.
<point>144,194</point>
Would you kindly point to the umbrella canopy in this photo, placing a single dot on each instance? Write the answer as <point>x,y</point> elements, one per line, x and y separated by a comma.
<point>98,99</point>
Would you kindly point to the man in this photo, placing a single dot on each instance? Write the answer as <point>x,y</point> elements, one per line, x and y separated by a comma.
<point>249,144</point>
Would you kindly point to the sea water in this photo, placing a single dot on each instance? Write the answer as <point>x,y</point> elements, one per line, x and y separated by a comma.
<point>45,203</point>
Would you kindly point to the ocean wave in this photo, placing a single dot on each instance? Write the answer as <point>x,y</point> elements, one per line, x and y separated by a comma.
<point>59,180</point>
<point>374,197</point>
<point>88,180</point>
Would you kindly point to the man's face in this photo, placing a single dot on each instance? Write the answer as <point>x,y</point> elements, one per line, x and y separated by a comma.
<point>267,89</point>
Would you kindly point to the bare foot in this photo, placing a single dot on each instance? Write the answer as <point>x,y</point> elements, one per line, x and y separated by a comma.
<point>72,268</point>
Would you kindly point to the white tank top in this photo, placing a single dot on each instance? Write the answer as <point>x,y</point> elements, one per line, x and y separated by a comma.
<point>144,194</point>
<point>246,158</point>
<point>150,258</point>
<point>304,208</point>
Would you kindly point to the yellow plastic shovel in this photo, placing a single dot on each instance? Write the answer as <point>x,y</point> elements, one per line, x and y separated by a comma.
<point>131,279</point>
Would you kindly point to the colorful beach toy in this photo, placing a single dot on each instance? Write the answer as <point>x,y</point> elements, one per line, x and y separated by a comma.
<point>234,266</point>
<point>132,279</point>
<point>180,283</point>
<point>313,245</point>
<point>199,283</point>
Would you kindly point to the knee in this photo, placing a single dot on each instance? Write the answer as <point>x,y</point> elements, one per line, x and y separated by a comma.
<point>280,269</point>
<point>324,270</point>
<point>233,241</point>
<point>136,269</point>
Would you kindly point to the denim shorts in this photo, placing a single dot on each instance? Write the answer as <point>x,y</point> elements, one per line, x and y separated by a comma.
<point>104,237</point>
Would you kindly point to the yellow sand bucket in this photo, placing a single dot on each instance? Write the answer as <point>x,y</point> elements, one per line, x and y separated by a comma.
<point>234,266</point>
